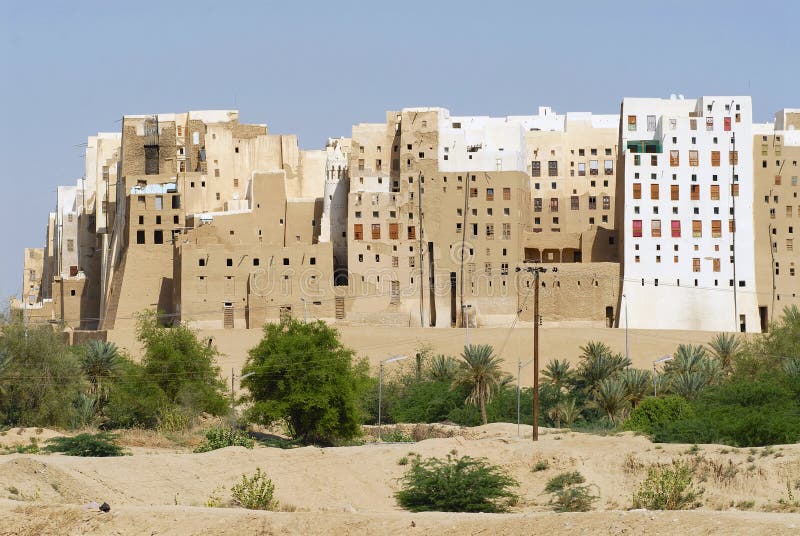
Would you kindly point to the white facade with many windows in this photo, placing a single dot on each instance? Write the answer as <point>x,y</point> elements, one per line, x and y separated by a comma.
<point>687,224</point>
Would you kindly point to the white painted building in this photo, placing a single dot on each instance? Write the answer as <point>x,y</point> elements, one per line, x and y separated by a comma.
<point>687,232</point>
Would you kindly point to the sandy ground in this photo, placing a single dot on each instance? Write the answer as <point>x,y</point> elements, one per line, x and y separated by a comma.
<point>350,490</point>
<point>379,342</point>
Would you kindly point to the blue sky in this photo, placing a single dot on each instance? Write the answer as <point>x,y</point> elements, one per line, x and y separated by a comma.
<point>71,69</point>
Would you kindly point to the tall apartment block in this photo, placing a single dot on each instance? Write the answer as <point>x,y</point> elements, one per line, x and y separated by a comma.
<point>776,153</point>
<point>687,218</point>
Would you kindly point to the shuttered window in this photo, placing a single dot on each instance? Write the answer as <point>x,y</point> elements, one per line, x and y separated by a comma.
<point>654,191</point>
<point>358,231</point>
<point>694,191</point>
<point>715,158</point>
<point>697,229</point>
<point>735,190</point>
<point>637,228</point>
<point>715,192</point>
<point>696,264</point>
<point>733,158</point>
<point>394,231</point>
<point>631,122</point>
<point>694,160</point>
<point>655,228</point>
<point>674,158</point>
<point>376,231</point>
<point>716,228</point>
<point>674,192</point>
<point>637,191</point>
<point>676,228</point>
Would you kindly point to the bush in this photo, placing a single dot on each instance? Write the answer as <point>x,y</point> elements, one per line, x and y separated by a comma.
<point>219,438</point>
<point>92,445</point>
<point>568,496</point>
<point>255,492</point>
<point>41,382</point>
<point>301,374</point>
<point>456,485</point>
<point>668,488</point>
<point>397,436</point>
<point>653,412</point>
<point>740,413</point>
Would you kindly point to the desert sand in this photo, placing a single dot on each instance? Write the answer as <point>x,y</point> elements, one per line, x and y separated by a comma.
<point>349,490</point>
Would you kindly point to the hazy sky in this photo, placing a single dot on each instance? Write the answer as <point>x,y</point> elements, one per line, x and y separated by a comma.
<point>71,69</point>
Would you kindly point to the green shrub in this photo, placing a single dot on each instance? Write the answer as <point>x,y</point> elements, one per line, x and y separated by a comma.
<point>668,488</point>
<point>255,492</point>
<point>396,435</point>
<point>653,412</point>
<point>219,438</point>
<point>541,465</point>
<point>92,445</point>
<point>568,496</point>
<point>564,480</point>
<point>456,484</point>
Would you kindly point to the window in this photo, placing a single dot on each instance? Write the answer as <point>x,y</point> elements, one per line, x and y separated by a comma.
<point>376,231</point>
<point>490,231</point>
<point>536,168</point>
<point>716,265</point>
<point>358,231</point>
<point>506,194</point>
<point>631,122</point>
<point>716,228</point>
<point>637,228</point>
<point>412,232</point>
<point>593,169</point>
<point>506,232</point>
<point>715,158</point>
<point>609,167</point>
<point>733,158</point>
<point>553,204</point>
<point>694,192</point>
<point>473,192</point>
<point>697,229</point>
<point>70,244</point>
<point>592,202</point>
<point>581,169</point>
<point>552,168</point>
<point>731,226</point>
<point>606,202</point>
<point>574,202</point>
<point>693,158</point>
<point>676,228</point>
<point>674,192</point>
<point>674,158</point>
<point>537,204</point>
<point>140,237</point>
<point>655,228</point>
<point>490,194</point>
<point>696,264</point>
<point>637,191</point>
<point>715,192</point>
<point>735,190</point>
<point>654,191</point>
<point>651,123</point>
<point>393,231</point>
<point>709,124</point>
<point>158,237</point>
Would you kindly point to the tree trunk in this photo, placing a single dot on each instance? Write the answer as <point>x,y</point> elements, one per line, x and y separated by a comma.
<point>483,407</point>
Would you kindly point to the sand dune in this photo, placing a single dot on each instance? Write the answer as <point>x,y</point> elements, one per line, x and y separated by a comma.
<point>350,490</point>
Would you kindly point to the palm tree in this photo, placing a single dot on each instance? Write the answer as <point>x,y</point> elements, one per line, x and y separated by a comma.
<point>611,398</point>
<point>480,371</point>
<point>725,347</point>
<point>598,364</point>
<point>687,358</point>
<point>442,368</point>
<point>688,384</point>
<point>791,366</point>
<point>557,373</point>
<point>638,384</point>
<point>99,362</point>
<point>568,412</point>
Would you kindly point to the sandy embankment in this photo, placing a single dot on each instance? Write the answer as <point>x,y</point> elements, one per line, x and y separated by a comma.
<point>349,490</point>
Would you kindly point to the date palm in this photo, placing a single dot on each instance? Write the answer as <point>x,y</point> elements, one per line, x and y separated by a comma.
<point>442,368</point>
<point>638,383</point>
<point>557,373</point>
<point>598,363</point>
<point>611,398</point>
<point>725,347</point>
<point>99,362</point>
<point>479,369</point>
<point>688,384</point>
<point>568,412</point>
<point>687,358</point>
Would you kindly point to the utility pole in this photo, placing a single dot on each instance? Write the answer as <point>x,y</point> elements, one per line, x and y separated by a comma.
<point>536,318</point>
